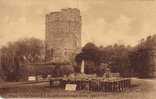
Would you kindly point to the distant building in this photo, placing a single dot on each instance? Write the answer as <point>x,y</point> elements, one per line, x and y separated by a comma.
<point>63,35</point>
<point>152,61</point>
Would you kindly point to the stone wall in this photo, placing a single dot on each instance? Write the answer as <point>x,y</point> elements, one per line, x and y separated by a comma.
<point>63,34</point>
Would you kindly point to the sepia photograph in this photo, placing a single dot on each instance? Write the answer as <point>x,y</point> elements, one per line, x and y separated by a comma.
<point>78,49</point>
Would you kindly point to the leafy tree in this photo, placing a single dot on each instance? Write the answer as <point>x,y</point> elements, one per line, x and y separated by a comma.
<point>91,55</point>
<point>127,60</point>
<point>117,56</point>
<point>29,50</point>
<point>58,71</point>
<point>142,58</point>
<point>10,67</point>
<point>24,51</point>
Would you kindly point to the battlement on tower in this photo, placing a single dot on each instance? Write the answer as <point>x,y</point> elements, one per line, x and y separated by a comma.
<point>70,14</point>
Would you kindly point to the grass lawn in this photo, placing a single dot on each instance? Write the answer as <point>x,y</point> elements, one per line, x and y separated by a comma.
<point>141,89</point>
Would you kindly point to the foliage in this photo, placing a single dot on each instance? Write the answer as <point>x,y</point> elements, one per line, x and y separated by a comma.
<point>116,56</point>
<point>29,50</point>
<point>20,52</point>
<point>100,70</point>
<point>62,70</point>
<point>142,57</point>
<point>10,67</point>
<point>90,53</point>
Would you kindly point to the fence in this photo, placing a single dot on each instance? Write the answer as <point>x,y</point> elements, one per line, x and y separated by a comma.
<point>106,85</point>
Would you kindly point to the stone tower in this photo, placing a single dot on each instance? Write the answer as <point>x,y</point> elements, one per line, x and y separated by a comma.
<point>63,35</point>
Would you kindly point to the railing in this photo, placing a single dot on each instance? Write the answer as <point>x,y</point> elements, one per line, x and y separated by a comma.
<point>106,85</point>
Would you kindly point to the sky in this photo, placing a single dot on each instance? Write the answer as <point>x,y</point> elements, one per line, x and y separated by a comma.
<point>104,22</point>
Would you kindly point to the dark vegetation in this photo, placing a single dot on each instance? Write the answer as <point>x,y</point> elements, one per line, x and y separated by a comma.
<point>116,56</point>
<point>128,61</point>
<point>24,51</point>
